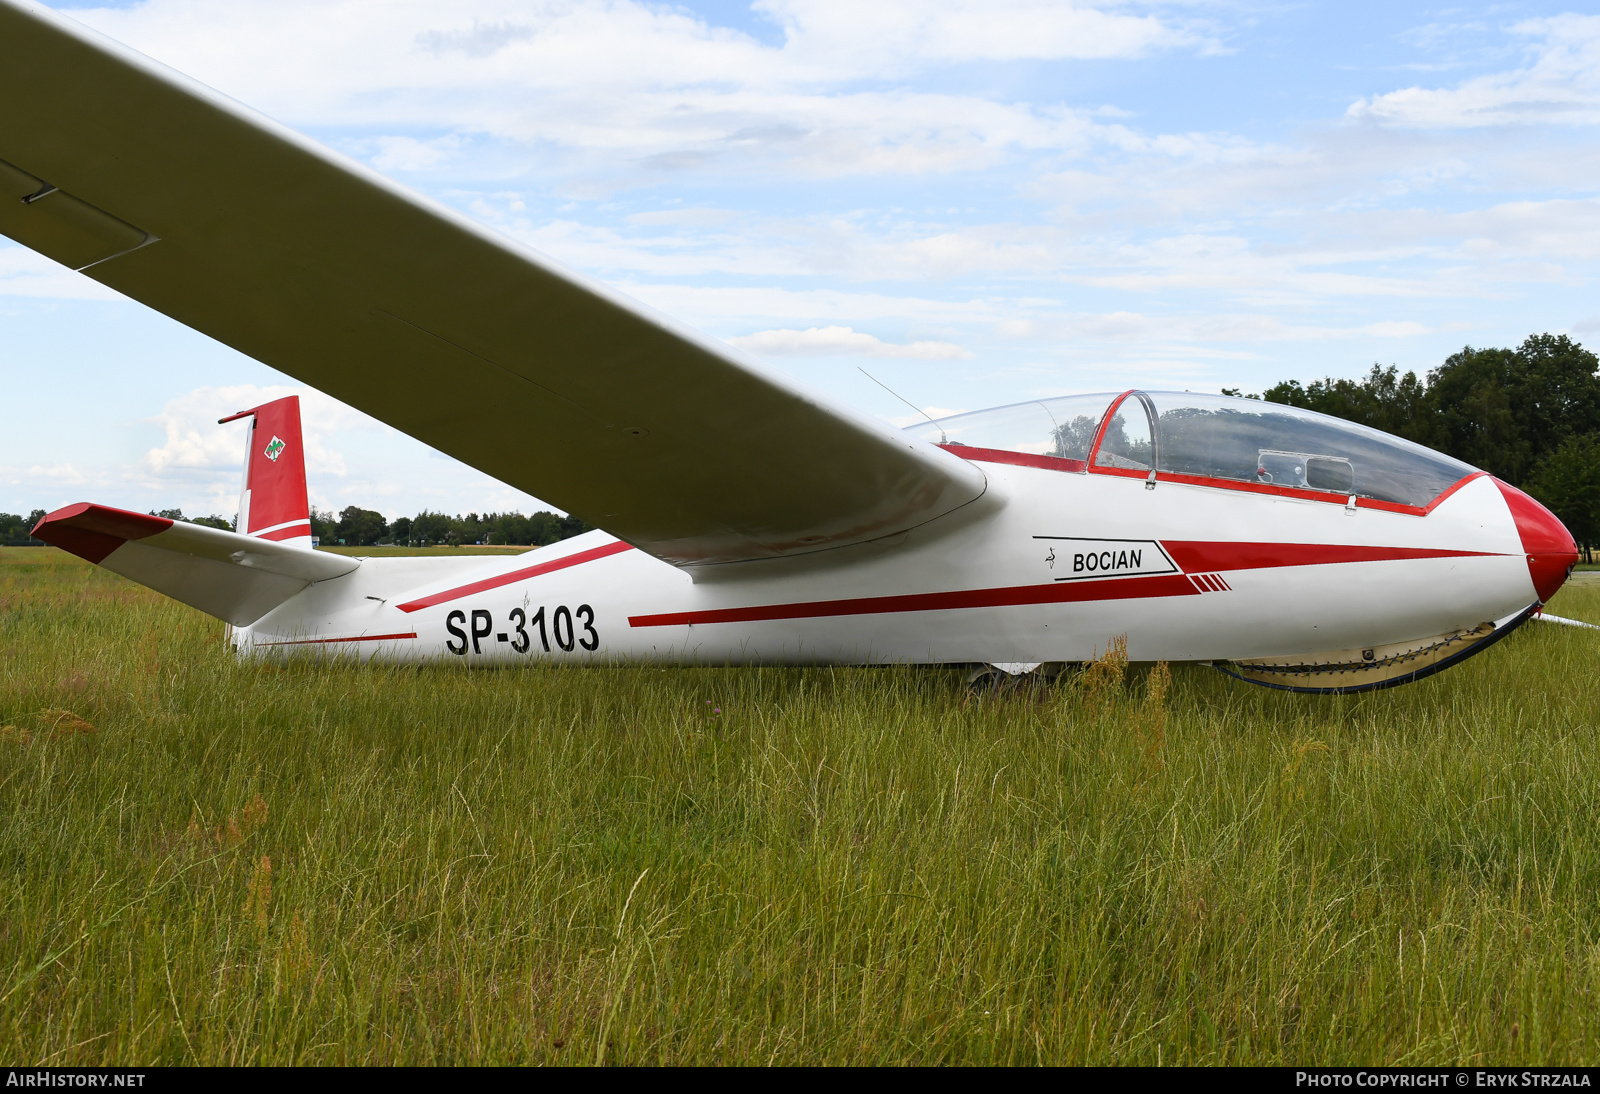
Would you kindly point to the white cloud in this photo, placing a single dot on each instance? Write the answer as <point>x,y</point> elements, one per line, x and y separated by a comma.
<point>841,341</point>
<point>684,218</point>
<point>197,445</point>
<point>644,89</point>
<point>1193,330</point>
<point>838,33</point>
<point>64,474</point>
<point>411,154</point>
<point>1560,87</point>
<point>29,273</point>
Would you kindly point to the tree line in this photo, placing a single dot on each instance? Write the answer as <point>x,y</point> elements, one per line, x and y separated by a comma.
<point>14,529</point>
<point>357,527</point>
<point>1529,416</point>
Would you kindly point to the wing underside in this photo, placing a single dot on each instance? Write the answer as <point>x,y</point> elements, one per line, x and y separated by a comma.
<point>234,225</point>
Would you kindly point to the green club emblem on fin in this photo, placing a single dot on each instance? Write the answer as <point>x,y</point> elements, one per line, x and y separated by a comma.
<point>274,450</point>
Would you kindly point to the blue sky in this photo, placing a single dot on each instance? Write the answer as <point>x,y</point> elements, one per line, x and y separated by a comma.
<point>977,202</point>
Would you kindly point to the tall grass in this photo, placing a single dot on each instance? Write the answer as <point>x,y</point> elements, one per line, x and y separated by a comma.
<point>322,863</point>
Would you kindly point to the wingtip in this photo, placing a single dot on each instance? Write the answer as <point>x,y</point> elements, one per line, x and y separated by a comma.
<point>93,531</point>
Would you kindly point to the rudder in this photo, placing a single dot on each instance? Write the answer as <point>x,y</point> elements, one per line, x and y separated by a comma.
<point>272,502</point>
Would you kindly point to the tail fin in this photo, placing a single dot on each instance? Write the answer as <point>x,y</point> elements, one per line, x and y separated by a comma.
<point>272,502</point>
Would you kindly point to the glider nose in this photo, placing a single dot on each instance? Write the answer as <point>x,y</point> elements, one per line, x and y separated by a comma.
<point>1549,546</point>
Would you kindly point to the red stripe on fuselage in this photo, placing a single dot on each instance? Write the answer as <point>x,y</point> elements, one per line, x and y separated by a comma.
<point>1128,588</point>
<point>515,576</point>
<point>1190,555</point>
<point>1203,555</point>
<point>325,641</point>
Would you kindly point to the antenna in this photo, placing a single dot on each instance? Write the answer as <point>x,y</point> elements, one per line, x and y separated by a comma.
<point>903,399</point>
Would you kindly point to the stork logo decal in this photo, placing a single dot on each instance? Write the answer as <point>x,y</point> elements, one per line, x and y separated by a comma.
<point>1074,559</point>
<point>274,449</point>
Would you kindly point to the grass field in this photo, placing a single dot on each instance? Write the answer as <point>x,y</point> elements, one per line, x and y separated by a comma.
<point>319,863</point>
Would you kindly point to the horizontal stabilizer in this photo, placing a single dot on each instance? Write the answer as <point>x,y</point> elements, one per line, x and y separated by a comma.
<point>235,578</point>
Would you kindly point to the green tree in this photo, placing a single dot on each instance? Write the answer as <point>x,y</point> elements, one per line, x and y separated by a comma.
<point>1568,483</point>
<point>1385,400</point>
<point>16,529</point>
<point>1507,410</point>
<point>360,527</point>
<point>430,528</point>
<point>324,527</point>
<point>215,520</point>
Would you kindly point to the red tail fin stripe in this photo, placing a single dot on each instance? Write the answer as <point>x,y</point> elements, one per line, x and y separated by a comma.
<point>515,576</point>
<point>301,523</point>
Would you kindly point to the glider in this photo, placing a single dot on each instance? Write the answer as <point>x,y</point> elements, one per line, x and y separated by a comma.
<point>746,518</point>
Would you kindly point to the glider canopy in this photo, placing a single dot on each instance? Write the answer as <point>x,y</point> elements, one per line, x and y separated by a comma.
<point>1209,437</point>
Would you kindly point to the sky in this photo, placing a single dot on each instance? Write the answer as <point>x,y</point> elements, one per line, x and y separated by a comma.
<point>976,203</point>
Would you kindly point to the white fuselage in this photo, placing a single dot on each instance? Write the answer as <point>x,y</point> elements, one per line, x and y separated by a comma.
<point>1047,566</point>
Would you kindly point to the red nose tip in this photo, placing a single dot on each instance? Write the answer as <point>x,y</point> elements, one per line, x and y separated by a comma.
<point>1545,540</point>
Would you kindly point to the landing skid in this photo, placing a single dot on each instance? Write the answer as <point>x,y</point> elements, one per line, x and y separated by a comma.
<point>1345,672</point>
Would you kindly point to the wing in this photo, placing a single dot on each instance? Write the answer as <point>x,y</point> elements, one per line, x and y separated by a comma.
<point>200,208</point>
<point>233,577</point>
